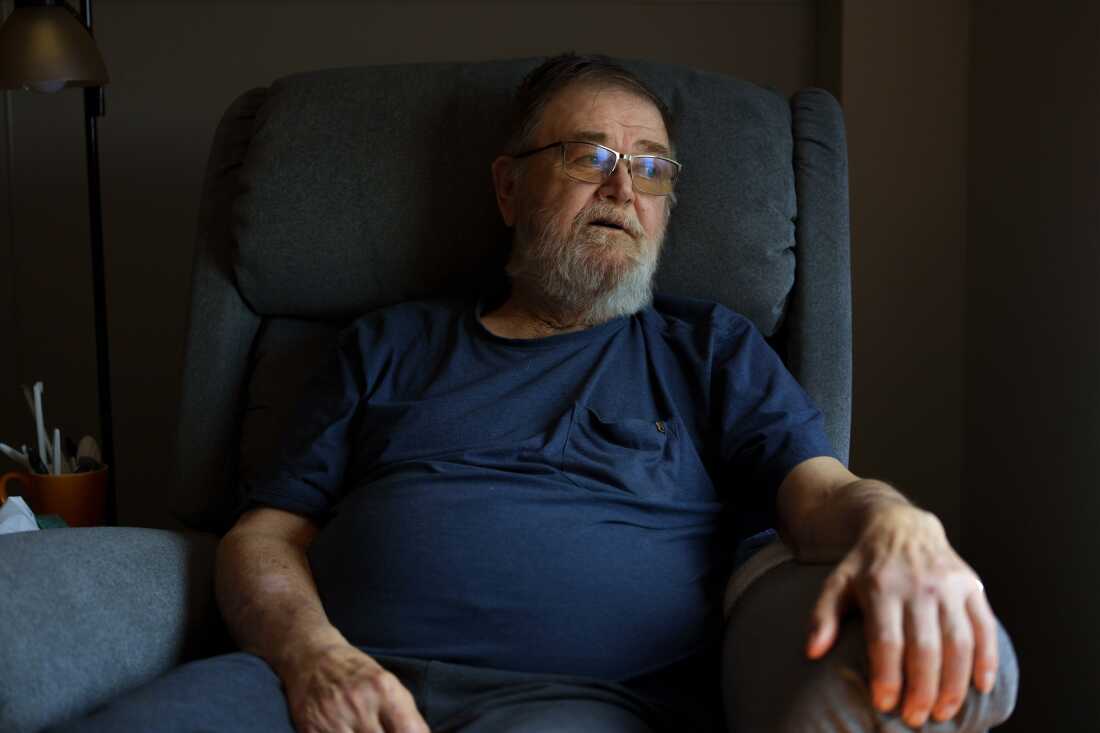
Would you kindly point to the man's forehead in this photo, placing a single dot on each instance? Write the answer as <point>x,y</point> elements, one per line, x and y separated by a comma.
<point>585,112</point>
<point>642,145</point>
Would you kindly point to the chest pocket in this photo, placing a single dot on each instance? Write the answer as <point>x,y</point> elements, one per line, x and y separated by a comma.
<point>652,459</point>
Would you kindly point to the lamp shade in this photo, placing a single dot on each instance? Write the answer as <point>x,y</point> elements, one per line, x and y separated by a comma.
<point>45,48</point>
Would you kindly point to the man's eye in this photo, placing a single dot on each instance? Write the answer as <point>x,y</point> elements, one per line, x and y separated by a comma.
<point>647,167</point>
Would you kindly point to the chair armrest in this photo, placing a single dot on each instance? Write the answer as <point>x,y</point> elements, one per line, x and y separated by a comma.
<point>87,613</point>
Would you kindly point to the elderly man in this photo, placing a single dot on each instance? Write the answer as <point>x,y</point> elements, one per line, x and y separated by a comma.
<point>505,515</point>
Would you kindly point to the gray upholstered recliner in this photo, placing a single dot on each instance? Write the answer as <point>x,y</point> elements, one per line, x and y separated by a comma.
<point>334,192</point>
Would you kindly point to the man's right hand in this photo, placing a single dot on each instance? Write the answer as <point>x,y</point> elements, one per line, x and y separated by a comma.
<point>340,689</point>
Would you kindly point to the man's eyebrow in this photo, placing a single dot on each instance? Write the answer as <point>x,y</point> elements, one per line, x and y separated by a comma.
<point>648,146</point>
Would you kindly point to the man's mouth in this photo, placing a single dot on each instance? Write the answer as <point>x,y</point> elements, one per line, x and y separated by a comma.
<point>607,224</point>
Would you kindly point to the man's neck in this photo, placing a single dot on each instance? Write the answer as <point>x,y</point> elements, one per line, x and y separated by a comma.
<point>522,317</point>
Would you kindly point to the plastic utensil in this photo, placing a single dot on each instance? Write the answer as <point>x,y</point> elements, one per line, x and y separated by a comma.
<point>46,450</point>
<point>90,448</point>
<point>56,452</point>
<point>15,455</point>
<point>39,423</point>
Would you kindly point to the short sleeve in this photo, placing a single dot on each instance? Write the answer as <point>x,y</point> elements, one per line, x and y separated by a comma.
<point>307,477</point>
<point>768,423</point>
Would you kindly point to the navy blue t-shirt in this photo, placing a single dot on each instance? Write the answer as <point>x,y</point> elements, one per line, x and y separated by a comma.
<point>542,505</point>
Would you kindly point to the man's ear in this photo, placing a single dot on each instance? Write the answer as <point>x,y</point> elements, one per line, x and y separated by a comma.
<point>505,184</point>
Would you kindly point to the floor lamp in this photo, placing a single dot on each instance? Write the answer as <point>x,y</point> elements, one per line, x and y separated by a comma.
<point>45,46</point>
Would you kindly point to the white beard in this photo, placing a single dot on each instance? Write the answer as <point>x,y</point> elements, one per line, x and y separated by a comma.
<point>586,275</point>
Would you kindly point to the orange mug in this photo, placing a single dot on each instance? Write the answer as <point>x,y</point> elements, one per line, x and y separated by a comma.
<point>79,498</point>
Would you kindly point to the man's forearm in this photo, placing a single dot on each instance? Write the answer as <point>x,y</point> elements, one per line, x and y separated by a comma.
<point>269,600</point>
<point>824,529</point>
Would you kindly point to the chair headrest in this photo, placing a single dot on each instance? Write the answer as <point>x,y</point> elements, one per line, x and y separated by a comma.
<point>366,186</point>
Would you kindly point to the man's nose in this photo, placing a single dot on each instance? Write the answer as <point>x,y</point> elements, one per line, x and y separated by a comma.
<point>618,185</point>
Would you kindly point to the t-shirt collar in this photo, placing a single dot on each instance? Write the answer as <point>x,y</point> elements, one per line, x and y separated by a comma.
<point>487,300</point>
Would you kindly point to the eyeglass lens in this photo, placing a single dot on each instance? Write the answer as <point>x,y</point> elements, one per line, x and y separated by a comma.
<point>593,164</point>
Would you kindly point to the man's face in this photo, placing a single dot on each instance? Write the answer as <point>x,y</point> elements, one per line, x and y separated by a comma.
<point>563,245</point>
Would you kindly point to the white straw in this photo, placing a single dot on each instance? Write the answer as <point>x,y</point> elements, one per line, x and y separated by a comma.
<point>57,451</point>
<point>14,455</point>
<point>39,424</point>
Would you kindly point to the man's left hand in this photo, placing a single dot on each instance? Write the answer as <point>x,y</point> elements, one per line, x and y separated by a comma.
<point>926,617</point>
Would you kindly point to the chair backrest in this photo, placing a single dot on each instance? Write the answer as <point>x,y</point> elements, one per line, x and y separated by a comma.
<point>334,192</point>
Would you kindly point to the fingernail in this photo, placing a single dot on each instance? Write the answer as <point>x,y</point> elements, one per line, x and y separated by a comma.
<point>887,702</point>
<point>987,682</point>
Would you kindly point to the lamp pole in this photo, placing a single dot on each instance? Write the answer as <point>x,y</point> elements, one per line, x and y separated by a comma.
<point>94,107</point>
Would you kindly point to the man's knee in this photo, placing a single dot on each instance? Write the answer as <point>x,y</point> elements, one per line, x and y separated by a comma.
<point>836,697</point>
<point>770,685</point>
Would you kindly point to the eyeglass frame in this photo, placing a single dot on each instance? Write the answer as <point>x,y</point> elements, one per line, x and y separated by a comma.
<point>628,157</point>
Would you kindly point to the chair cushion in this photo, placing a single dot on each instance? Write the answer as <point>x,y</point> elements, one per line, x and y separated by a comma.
<point>286,354</point>
<point>366,186</point>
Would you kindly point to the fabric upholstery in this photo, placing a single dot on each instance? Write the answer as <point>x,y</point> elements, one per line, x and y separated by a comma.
<point>818,339</point>
<point>364,187</point>
<point>220,333</point>
<point>89,612</point>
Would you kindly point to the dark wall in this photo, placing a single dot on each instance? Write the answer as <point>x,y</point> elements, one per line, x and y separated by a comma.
<point>1031,508</point>
<point>904,90</point>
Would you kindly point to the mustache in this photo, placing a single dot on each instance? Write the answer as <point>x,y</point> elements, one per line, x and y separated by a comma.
<point>608,213</point>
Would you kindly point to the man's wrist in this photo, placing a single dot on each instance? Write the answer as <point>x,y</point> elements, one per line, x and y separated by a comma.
<point>837,525</point>
<point>300,647</point>
<point>902,516</point>
<point>870,502</point>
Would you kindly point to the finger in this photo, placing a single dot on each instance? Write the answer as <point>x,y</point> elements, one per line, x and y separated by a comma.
<point>403,719</point>
<point>984,625</point>
<point>397,711</point>
<point>359,719</point>
<point>325,728</point>
<point>347,717</point>
<point>958,658</point>
<point>826,614</point>
<point>366,719</point>
<point>883,630</point>
<point>922,658</point>
<point>330,724</point>
<point>369,702</point>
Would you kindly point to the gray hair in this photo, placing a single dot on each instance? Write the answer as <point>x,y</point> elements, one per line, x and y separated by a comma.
<point>542,83</point>
<point>555,74</point>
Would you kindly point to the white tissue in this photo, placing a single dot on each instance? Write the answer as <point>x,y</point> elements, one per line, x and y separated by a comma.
<point>16,516</point>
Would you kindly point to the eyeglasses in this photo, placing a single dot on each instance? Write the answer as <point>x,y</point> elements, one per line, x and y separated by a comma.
<point>593,163</point>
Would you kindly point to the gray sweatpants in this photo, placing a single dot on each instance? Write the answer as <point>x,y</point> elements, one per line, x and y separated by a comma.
<point>761,683</point>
